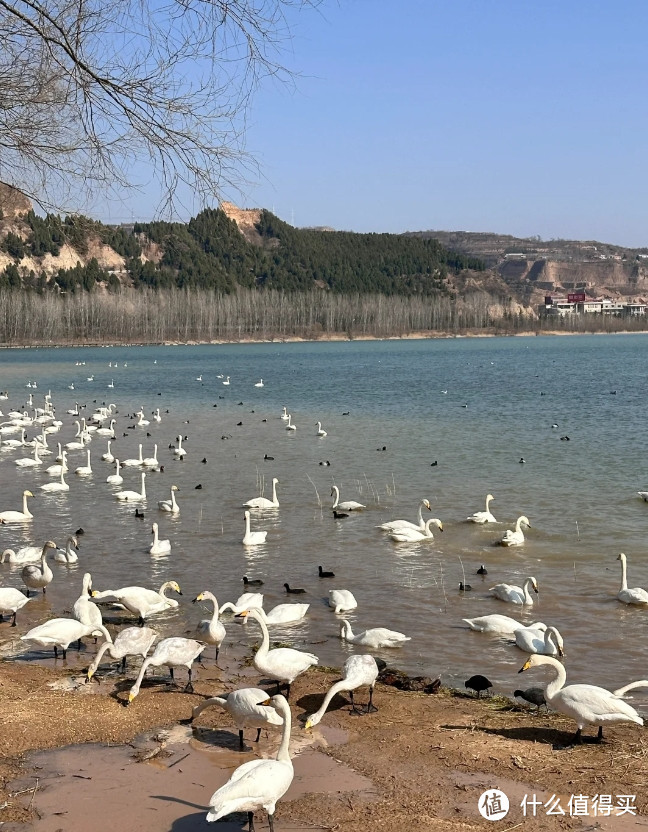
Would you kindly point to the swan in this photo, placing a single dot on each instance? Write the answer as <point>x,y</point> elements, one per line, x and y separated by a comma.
<point>258,784</point>
<point>629,596</point>
<point>320,430</point>
<point>376,637</point>
<point>170,505</point>
<point>281,614</point>
<point>55,470</point>
<point>259,383</point>
<point>173,652</point>
<point>132,462</point>
<point>290,425</point>
<point>284,415</point>
<point>131,641</point>
<point>38,577</point>
<point>151,461</point>
<point>61,632</point>
<point>348,505</point>
<point>76,444</point>
<point>356,672</point>
<point>210,630</point>
<point>84,470</point>
<point>252,538</point>
<point>110,431</point>
<point>12,600</point>
<point>15,443</point>
<point>263,502</point>
<point>141,421</point>
<point>244,708</point>
<point>548,642</point>
<point>18,516</point>
<point>499,624</point>
<point>84,610</point>
<point>247,601</point>
<point>282,664</point>
<point>158,547</point>
<point>341,600</point>
<point>483,516</point>
<point>29,461</point>
<point>227,381</point>
<point>515,594</point>
<point>585,704</point>
<point>141,601</point>
<point>133,496</point>
<point>23,555</point>
<point>67,555</point>
<point>55,487</point>
<point>416,535</point>
<point>116,478</point>
<point>515,538</point>
<point>156,415</point>
<point>397,525</point>
<point>108,456</point>
<point>179,451</point>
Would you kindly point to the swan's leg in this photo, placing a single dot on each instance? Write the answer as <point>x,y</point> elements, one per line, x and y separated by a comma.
<point>599,736</point>
<point>217,652</point>
<point>251,821</point>
<point>577,737</point>
<point>43,590</point>
<point>199,659</point>
<point>65,652</point>
<point>140,621</point>
<point>123,664</point>
<point>79,644</point>
<point>13,619</point>
<point>271,822</point>
<point>171,672</point>
<point>287,691</point>
<point>371,708</point>
<point>55,652</point>
<point>354,707</point>
<point>189,686</point>
<point>258,735</point>
<point>241,741</point>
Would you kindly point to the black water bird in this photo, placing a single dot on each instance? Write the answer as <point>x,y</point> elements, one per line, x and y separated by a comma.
<point>204,460</point>
<point>294,591</point>
<point>535,696</point>
<point>269,458</point>
<point>522,459</point>
<point>482,570</point>
<point>478,683</point>
<point>139,513</point>
<point>464,587</point>
<point>324,574</point>
<point>79,531</point>
<point>339,514</point>
<point>434,464</point>
<point>198,487</point>
<point>248,582</point>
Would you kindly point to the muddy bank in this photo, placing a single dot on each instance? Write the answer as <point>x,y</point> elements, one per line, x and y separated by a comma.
<point>421,762</point>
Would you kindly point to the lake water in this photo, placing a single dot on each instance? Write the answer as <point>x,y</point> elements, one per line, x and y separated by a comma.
<point>391,409</point>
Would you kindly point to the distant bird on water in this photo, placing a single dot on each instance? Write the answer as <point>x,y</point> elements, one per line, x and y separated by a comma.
<point>294,590</point>
<point>482,570</point>
<point>323,574</point>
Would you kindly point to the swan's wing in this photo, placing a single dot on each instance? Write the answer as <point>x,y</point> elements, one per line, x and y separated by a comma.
<point>595,704</point>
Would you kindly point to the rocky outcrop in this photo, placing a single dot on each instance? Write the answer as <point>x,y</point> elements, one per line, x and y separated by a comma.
<point>246,219</point>
<point>13,202</point>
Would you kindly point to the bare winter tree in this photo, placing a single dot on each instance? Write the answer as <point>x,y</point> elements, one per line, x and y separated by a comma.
<point>89,89</point>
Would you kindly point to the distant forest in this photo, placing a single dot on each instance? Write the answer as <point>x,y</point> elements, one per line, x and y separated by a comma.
<point>209,252</point>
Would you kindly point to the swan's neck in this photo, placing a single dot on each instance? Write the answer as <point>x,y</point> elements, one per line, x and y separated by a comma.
<point>274,491</point>
<point>420,516</point>
<point>265,643</point>
<point>624,574</point>
<point>518,525</point>
<point>247,523</point>
<point>347,632</point>
<point>212,598</point>
<point>25,509</point>
<point>527,595</point>
<point>173,499</point>
<point>555,685</point>
<point>155,534</point>
<point>336,494</point>
<point>343,684</point>
<point>164,588</point>
<point>488,500</point>
<point>143,487</point>
<point>87,582</point>
<point>282,753</point>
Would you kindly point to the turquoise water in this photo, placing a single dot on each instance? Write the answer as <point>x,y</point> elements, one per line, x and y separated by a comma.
<point>474,406</point>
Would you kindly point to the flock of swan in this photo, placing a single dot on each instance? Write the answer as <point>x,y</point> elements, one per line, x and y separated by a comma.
<point>261,783</point>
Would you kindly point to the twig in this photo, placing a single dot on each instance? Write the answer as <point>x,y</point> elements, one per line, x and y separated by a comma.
<point>179,760</point>
<point>33,794</point>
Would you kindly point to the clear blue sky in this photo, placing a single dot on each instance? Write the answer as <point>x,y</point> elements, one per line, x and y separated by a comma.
<point>492,115</point>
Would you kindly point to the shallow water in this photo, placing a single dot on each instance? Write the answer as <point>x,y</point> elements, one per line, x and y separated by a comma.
<point>580,495</point>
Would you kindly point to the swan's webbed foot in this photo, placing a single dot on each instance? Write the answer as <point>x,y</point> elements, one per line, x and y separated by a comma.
<point>189,688</point>
<point>355,711</point>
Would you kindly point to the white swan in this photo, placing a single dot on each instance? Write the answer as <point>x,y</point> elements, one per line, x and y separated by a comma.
<point>29,461</point>
<point>109,431</point>
<point>515,594</point>
<point>282,613</point>
<point>290,425</point>
<point>55,470</point>
<point>67,555</point>
<point>376,637</point>
<point>55,487</point>
<point>499,624</point>
<point>141,421</point>
<point>133,496</point>
<point>61,632</point>
<point>258,784</point>
<point>18,516</point>
<point>151,461</point>
<point>348,505</point>
<point>284,415</point>
<point>172,652</point>
<point>341,600</point>
<point>116,478</point>
<point>210,630</point>
<point>585,704</point>
<point>133,462</point>
<point>264,502</point>
<point>259,383</point>
<point>156,415</point>
<point>38,577</point>
<point>252,538</point>
<point>131,641</point>
<point>170,505</point>
<point>548,642</point>
<point>179,451</point>
<point>84,470</point>
<point>483,516</point>
<point>158,547</point>
<point>84,610</point>
<point>356,672</point>
<point>515,538</point>
<point>15,443</point>
<point>247,601</point>
<point>630,596</point>
<point>243,705</point>
<point>12,600</point>
<point>227,381</point>
<point>108,456</point>
<point>141,601</point>
<point>320,430</point>
<point>416,535</point>
<point>397,525</point>
<point>282,664</point>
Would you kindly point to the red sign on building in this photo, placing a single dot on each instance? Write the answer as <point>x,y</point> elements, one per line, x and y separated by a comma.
<point>576,297</point>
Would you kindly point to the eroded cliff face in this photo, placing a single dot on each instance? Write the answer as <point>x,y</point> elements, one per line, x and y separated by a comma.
<point>13,202</point>
<point>246,219</point>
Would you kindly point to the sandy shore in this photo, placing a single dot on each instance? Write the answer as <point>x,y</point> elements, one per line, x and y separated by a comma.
<point>421,762</point>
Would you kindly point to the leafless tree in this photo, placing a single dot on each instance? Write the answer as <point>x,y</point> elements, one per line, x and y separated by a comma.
<point>89,89</point>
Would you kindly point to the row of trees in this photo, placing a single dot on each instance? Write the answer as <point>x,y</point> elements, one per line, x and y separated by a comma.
<point>185,315</point>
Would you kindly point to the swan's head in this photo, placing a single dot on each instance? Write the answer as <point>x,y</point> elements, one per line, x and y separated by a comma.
<point>154,528</point>
<point>200,597</point>
<point>73,542</point>
<point>558,640</point>
<point>312,721</point>
<point>621,557</point>
<point>49,544</point>
<point>243,614</point>
<point>27,494</point>
<point>524,520</point>
<point>534,585</point>
<point>174,488</point>
<point>435,522</point>
<point>537,659</point>
<point>426,504</point>
<point>175,586</point>
<point>490,497</point>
